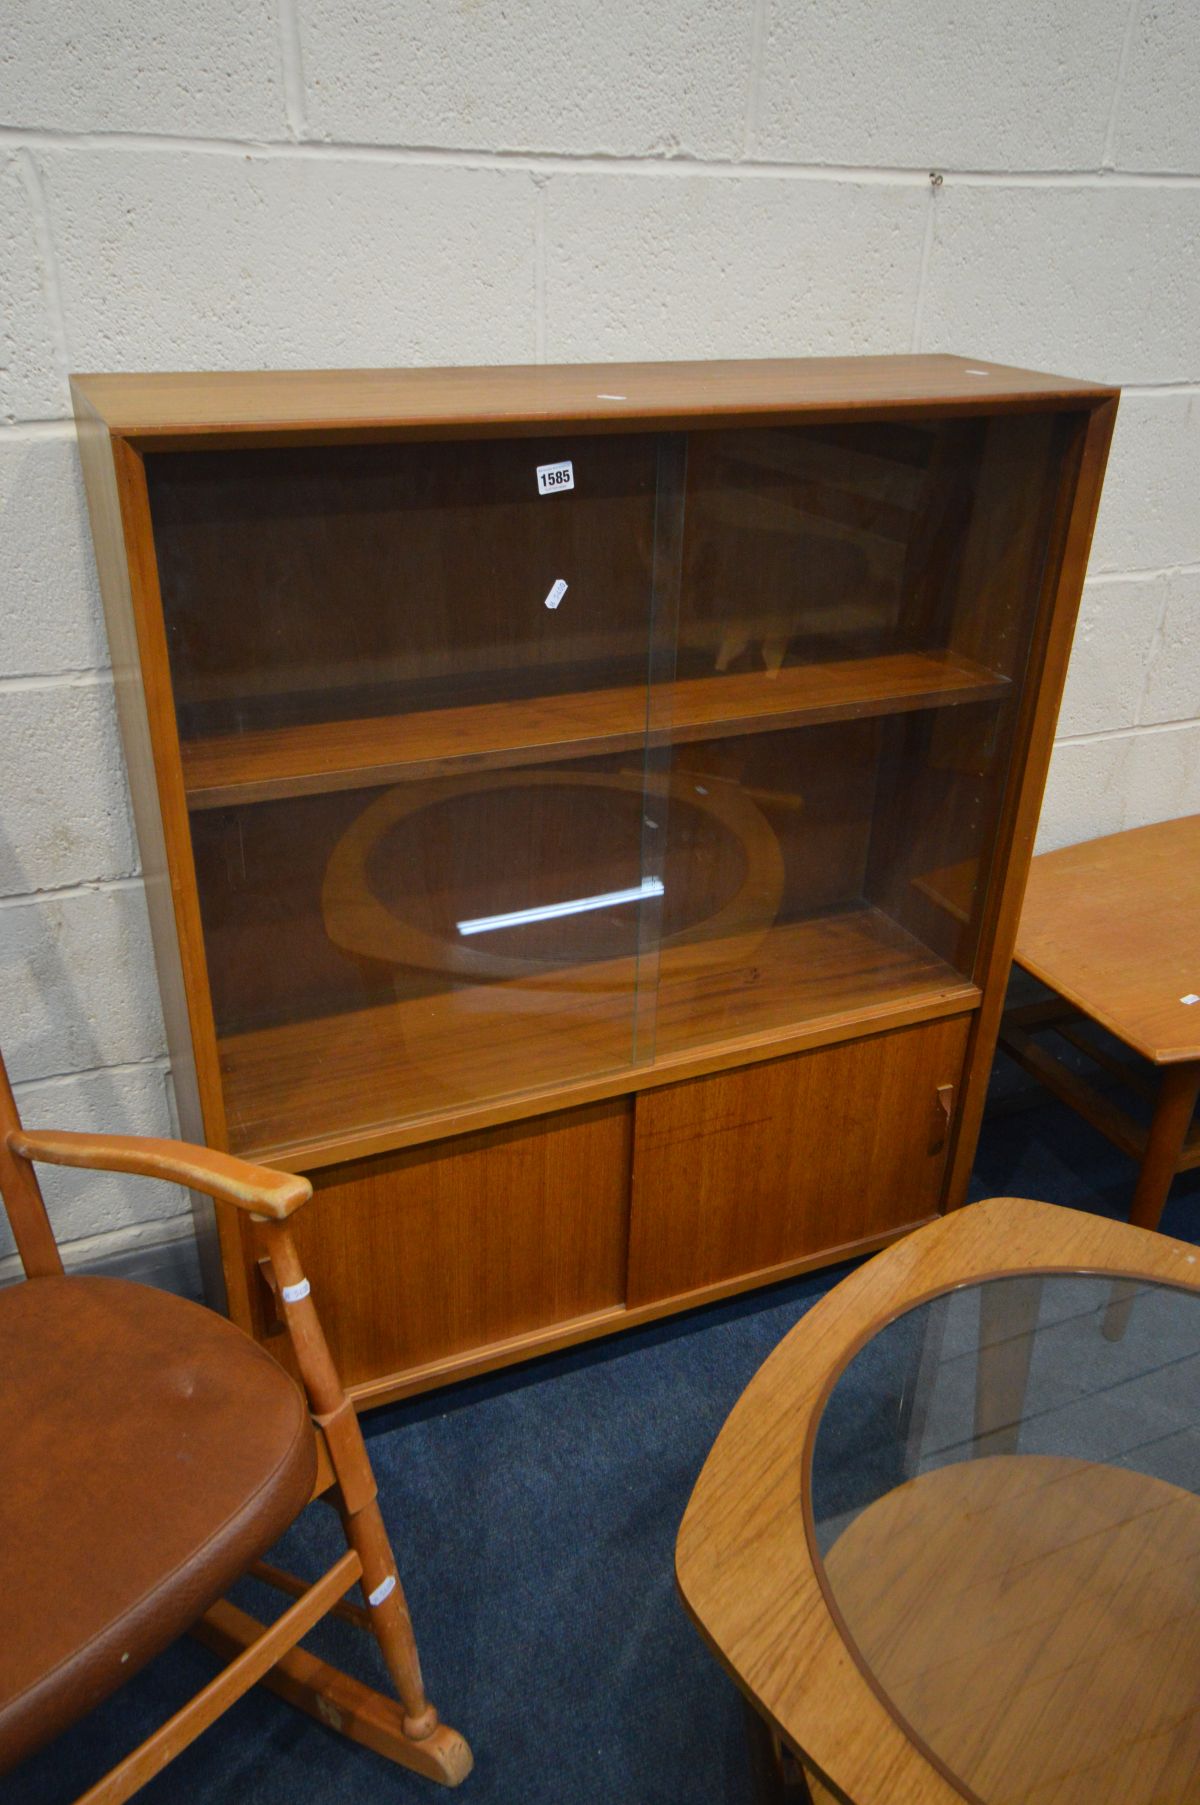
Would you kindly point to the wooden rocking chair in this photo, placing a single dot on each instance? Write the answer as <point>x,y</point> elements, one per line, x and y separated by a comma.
<point>152,1453</point>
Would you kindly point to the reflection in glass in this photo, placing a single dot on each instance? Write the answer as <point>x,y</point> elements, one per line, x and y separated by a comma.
<point>714,739</point>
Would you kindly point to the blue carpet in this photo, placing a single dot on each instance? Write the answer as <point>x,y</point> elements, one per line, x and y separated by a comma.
<point>534,1514</point>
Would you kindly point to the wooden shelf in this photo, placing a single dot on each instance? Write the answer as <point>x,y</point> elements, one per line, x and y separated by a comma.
<point>268,765</point>
<point>441,1064</point>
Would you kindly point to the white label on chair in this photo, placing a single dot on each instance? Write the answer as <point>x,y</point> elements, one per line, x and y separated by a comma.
<point>383,1590</point>
<point>1191,997</point>
<point>293,1293</point>
<point>557,591</point>
<point>555,479</point>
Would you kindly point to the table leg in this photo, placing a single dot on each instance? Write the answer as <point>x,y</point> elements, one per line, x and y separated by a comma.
<point>1160,1162</point>
<point>1008,1319</point>
<point>777,1777</point>
<point>920,1384</point>
<point>1119,1308</point>
<point>1168,1131</point>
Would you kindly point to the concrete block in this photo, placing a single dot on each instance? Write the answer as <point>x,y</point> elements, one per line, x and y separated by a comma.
<point>33,383</point>
<point>929,83</point>
<point>1085,793</point>
<point>163,1254</point>
<point>1158,121</point>
<point>713,266</point>
<point>622,78</point>
<point>1150,509</point>
<point>50,614</point>
<point>207,69</point>
<point>1115,636</point>
<point>173,1107</point>
<point>77,983</point>
<point>177,260</point>
<point>1088,281</point>
<point>1162,777</point>
<point>1125,780</point>
<point>66,807</point>
<point>124,1100</point>
<point>1172,687</point>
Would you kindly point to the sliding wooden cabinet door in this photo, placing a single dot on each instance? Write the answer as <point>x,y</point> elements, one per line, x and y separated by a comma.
<point>472,1243</point>
<point>758,1168</point>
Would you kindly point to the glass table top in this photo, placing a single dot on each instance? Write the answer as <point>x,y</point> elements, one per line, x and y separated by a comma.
<point>1005,1522</point>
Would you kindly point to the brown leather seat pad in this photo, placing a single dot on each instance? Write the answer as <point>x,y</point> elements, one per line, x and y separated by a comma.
<point>149,1450</point>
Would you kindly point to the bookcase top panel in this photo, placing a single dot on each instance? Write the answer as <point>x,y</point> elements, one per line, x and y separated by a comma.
<point>170,408</point>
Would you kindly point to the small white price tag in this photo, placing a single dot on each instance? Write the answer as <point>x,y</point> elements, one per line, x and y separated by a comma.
<point>557,591</point>
<point>554,479</point>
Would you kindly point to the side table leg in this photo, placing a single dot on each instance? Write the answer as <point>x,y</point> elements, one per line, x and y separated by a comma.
<point>920,1384</point>
<point>1168,1131</point>
<point>1160,1162</point>
<point>777,1777</point>
<point>1008,1319</point>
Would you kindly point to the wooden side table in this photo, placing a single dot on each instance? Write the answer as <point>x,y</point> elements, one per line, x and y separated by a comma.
<point>1112,927</point>
<point>948,1540</point>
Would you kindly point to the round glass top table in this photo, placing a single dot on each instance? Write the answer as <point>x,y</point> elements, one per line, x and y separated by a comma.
<point>949,1540</point>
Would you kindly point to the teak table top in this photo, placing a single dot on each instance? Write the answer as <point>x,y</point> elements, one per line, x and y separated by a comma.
<point>993,1595</point>
<point>1113,925</point>
<point>976,1600</point>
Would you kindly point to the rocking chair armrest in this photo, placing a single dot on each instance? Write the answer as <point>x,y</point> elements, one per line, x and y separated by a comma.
<point>221,1175</point>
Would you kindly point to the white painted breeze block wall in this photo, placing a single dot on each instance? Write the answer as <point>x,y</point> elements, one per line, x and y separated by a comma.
<point>247,183</point>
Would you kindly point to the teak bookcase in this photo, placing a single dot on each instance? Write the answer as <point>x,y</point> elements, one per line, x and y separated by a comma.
<point>585,811</point>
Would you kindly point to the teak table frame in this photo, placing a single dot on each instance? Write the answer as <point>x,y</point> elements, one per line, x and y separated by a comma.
<point>746,1560</point>
<point>1112,927</point>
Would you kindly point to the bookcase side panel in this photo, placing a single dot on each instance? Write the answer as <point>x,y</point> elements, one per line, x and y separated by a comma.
<point>121,534</point>
<point>1075,507</point>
